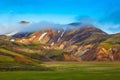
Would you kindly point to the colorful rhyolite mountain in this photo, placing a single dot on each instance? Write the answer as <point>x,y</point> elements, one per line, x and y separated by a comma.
<point>77,44</point>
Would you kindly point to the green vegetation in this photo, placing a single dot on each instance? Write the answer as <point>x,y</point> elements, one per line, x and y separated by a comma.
<point>22,67</point>
<point>56,54</point>
<point>69,71</point>
<point>7,52</point>
<point>6,59</point>
<point>12,61</point>
<point>114,40</point>
<point>107,45</point>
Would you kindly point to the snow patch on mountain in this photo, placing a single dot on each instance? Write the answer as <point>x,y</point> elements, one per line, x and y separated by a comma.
<point>41,37</point>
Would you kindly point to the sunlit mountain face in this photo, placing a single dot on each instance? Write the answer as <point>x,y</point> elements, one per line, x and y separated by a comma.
<point>78,43</point>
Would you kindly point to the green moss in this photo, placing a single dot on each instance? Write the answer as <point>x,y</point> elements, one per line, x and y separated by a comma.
<point>113,40</point>
<point>55,54</point>
<point>9,52</point>
<point>107,45</point>
<point>6,59</point>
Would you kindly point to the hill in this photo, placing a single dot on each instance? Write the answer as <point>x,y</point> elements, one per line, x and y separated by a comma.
<point>78,44</point>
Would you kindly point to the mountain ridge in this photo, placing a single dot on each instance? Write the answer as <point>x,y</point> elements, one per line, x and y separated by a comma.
<point>79,44</point>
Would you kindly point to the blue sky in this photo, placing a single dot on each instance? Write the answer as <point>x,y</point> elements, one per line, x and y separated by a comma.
<point>105,14</point>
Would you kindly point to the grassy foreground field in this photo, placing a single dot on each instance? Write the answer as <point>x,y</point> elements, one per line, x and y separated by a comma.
<point>69,71</point>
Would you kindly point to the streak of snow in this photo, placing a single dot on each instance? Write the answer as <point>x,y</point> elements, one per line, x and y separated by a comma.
<point>58,39</point>
<point>41,37</point>
<point>52,43</point>
<point>12,40</point>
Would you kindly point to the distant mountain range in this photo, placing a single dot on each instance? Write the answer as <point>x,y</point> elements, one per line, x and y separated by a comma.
<point>86,43</point>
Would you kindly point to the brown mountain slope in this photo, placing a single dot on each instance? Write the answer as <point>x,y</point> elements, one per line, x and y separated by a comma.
<point>87,44</point>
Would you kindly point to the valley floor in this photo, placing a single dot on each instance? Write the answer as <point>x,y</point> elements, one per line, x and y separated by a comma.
<point>69,71</point>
